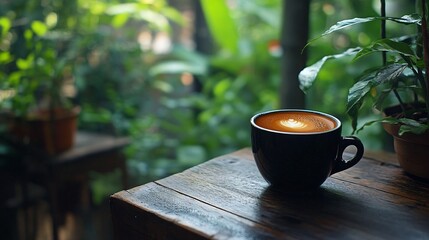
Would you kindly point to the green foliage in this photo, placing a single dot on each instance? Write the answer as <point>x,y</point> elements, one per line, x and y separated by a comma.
<point>35,73</point>
<point>190,126</point>
<point>379,82</point>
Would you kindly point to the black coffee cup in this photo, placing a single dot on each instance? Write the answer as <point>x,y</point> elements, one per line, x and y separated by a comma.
<point>300,161</point>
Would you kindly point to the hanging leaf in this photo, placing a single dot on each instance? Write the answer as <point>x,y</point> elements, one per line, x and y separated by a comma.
<point>221,25</point>
<point>308,75</point>
<point>407,19</point>
<point>357,94</point>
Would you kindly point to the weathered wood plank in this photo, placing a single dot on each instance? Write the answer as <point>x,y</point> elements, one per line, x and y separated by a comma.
<point>387,178</point>
<point>382,156</point>
<point>156,212</point>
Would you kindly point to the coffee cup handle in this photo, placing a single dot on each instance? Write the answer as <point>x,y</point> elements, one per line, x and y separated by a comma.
<point>341,164</point>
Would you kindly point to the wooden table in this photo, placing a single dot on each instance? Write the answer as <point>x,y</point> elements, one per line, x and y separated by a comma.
<point>226,198</point>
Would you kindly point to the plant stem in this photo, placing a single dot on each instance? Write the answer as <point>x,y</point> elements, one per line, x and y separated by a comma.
<point>383,29</point>
<point>401,103</point>
<point>425,39</point>
<point>419,76</point>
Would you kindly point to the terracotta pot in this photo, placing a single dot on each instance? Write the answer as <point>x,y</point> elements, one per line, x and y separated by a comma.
<point>412,151</point>
<point>54,132</point>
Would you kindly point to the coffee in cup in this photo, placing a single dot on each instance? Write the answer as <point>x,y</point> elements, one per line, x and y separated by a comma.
<point>298,122</point>
<point>297,150</point>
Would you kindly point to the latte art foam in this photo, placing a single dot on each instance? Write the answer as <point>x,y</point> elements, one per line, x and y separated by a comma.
<point>292,123</point>
<point>297,122</point>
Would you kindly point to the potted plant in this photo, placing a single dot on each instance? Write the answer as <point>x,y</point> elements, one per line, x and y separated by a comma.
<point>403,77</point>
<point>33,75</point>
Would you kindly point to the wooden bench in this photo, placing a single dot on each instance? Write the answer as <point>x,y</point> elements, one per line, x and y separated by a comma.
<point>226,198</point>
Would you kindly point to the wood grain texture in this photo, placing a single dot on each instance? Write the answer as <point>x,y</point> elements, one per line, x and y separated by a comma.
<point>226,198</point>
<point>157,212</point>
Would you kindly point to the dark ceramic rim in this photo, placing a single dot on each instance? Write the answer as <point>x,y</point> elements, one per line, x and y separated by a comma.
<point>337,121</point>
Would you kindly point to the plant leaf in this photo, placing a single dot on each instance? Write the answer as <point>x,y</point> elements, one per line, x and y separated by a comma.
<point>347,23</point>
<point>362,88</point>
<point>408,125</point>
<point>368,124</point>
<point>381,98</point>
<point>389,73</point>
<point>356,96</point>
<point>221,25</point>
<point>386,45</point>
<point>412,129</point>
<point>357,93</point>
<point>406,19</point>
<point>308,75</point>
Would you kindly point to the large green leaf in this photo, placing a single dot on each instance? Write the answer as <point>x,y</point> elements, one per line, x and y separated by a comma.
<point>308,75</point>
<point>389,73</point>
<point>220,23</point>
<point>407,125</point>
<point>381,98</point>
<point>411,126</point>
<point>386,45</point>
<point>407,19</point>
<point>357,93</point>
<point>361,89</point>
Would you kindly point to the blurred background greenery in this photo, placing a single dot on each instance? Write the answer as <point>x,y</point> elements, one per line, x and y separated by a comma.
<point>182,92</point>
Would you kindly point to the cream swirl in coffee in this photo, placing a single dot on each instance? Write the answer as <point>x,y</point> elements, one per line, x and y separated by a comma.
<point>298,122</point>
<point>292,123</point>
